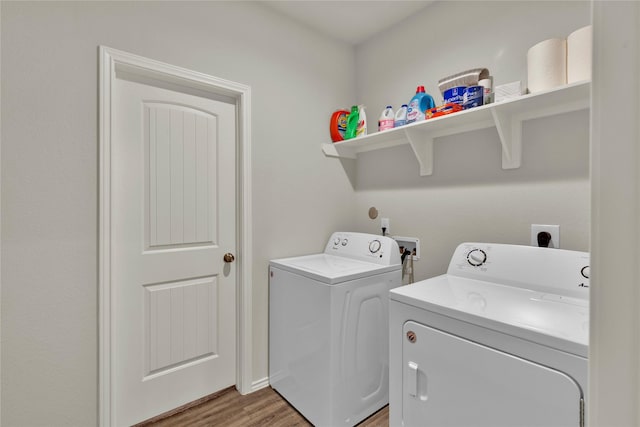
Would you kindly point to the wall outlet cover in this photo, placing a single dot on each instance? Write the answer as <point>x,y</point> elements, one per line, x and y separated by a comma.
<point>384,222</point>
<point>554,230</point>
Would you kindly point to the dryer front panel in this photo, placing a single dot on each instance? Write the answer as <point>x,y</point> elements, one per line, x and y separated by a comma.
<point>451,381</point>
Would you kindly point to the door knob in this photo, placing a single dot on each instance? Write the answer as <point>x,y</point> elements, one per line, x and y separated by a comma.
<point>228,257</point>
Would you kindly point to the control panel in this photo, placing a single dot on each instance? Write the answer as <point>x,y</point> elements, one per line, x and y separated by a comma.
<point>524,266</point>
<point>472,257</point>
<point>366,247</point>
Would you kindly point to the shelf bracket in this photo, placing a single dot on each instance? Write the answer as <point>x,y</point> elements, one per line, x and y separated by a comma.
<point>422,146</point>
<point>331,150</point>
<point>509,130</point>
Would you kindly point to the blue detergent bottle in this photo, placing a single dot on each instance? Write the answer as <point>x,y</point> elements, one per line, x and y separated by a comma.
<point>420,103</point>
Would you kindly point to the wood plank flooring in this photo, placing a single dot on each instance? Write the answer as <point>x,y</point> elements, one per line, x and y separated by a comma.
<point>264,407</point>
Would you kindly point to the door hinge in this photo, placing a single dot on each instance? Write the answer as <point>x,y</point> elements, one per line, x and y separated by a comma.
<point>581,412</point>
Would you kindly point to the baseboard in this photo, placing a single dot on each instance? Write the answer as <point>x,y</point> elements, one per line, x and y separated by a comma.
<point>259,384</point>
<point>185,407</point>
<point>255,386</point>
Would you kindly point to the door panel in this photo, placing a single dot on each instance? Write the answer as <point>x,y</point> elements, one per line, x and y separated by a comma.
<point>173,218</point>
<point>180,325</point>
<point>451,381</point>
<point>180,153</point>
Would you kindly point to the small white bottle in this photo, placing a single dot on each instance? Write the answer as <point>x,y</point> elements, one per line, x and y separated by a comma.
<point>386,119</point>
<point>487,85</point>
<point>362,122</point>
<point>401,116</point>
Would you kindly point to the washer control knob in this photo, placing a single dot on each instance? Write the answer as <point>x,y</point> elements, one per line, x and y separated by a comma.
<point>375,246</point>
<point>476,257</point>
<point>336,241</point>
<point>586,271</point>
<point>344,242</point>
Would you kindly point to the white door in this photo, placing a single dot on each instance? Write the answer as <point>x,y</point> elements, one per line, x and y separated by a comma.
<point>173,219</point>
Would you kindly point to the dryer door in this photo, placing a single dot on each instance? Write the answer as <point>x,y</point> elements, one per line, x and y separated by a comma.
<point>450,381</point>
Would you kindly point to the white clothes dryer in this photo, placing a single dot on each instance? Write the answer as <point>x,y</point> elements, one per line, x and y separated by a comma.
<point>328,328</point>
<point>500,340</point>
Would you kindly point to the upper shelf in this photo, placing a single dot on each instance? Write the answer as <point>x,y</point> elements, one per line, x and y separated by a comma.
<point>506,117</point>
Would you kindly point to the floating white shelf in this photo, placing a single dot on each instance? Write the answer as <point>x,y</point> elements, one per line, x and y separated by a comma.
<point>506,117</point>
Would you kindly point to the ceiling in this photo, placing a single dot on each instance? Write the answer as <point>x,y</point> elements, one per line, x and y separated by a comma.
<point>350,21</point>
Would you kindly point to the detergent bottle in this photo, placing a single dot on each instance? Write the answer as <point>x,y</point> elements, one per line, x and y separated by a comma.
<point>420,103</point>
<point>352,123</point>
<point>386,119</point>
<point>338,125</point>
<point>362,122</point>
<point>401,116</point>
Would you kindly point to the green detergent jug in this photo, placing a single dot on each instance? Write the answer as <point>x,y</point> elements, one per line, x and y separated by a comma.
<point>352,123</point>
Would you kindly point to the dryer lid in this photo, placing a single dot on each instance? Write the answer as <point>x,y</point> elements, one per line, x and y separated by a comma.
<point>331,269</point>
<point>553,320</point>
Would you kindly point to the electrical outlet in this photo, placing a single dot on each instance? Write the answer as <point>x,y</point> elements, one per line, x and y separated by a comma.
<point>554,230</point>
<point>384,223</point>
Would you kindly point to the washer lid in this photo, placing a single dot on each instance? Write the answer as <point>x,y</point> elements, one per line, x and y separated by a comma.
<point>331,269</point>
<point>552,320</point>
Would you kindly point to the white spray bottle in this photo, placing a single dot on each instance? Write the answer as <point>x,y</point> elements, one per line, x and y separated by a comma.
<point>362,122</point>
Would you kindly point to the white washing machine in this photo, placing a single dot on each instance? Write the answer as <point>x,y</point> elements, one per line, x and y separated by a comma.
<point>328,328</point>
<point>500,340</point>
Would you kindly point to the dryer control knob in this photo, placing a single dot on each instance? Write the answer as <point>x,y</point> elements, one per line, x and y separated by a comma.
<point>476,257</point>
<point>375,246</point>
<point>336,241</point>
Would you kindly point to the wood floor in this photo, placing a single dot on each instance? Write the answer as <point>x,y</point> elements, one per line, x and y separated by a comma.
<point>264,407</point>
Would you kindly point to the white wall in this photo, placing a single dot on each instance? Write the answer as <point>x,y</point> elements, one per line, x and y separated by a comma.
<point>614,351</point>
<point>49,170</point>
<point>49,157</point>
<point>0,220</point>
<point>470,197</point>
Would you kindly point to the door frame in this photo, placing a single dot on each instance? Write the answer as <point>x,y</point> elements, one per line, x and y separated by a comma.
<point>110,61</point>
